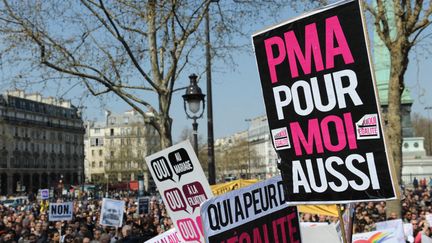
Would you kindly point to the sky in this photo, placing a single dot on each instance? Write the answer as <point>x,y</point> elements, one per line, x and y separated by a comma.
<point>237,92</point>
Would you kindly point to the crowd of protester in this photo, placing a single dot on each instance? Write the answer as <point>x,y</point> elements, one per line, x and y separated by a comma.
<point>29,222</point>
<point>416,205</point>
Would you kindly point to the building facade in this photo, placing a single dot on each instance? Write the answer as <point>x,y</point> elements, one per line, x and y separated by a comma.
<point>115,149</point>
<point>41,143</point>
<point>259,160</point>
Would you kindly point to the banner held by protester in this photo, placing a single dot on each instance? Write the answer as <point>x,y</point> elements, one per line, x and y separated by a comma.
<point>322,107</point>
<point>257,213</point>
<point>183,187</point>
<point>60,211</point>
<point>112,212</point>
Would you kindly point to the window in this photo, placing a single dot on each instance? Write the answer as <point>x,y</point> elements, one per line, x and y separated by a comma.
<point>406,145</point>
<point>416,145</point>
<point>126,120</point>
<point>112,120</point>
<point>100,152</point>
<point>97,130</point>
<point>92,152</point>
<point>100,164</point>
<point>112,153</point>
<point>112,132</point>
<point>93,164</point>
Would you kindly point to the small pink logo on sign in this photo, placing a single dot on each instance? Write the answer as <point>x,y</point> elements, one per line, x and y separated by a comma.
<point>368,127</point>
<point>280,138</point>
<point>175,200</point>
<point>195,194</point>
<point>188,230</point>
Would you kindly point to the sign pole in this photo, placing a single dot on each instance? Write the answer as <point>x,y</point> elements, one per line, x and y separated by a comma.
<point>341,223</point>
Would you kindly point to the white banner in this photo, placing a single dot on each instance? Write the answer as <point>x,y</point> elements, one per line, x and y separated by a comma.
<point>183,186</point>
<point>171,236</point>
<point>112,212</point>
<point>381,236</point>
<point>396,225</point>
<point>60,211</point>
<point>319,232</point>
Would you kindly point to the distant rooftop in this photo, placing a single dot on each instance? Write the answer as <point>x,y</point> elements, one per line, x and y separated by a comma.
<point>37,97</point>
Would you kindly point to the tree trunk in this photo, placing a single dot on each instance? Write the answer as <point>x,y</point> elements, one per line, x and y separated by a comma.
<point>399,63</point>
<point>165,121</point>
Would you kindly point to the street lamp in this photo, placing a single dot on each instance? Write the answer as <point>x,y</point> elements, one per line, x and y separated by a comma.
<point>193,97</point>
<point>210,140</point>
<point>428,108</point>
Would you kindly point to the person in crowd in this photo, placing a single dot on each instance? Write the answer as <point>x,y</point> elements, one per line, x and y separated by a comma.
<point>29,222</point>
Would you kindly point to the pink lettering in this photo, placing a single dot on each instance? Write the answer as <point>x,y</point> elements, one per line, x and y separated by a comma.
<point>340,132</point>
<point>351,136</point>
<point>273,60</point>
<point>292,217</point>
<point>312,47</point>
<point>334,30</point>
<point>278,48</point>
<point>298,137</point>
<point>318,136</point>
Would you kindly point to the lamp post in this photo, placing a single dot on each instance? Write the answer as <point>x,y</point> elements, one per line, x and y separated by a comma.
<point>210,140</point>
<point>428,108</point>
<point>193,97</point>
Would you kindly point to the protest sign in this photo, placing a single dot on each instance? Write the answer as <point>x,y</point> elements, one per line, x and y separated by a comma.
<point>429,218</point>
<point>183,186</point>
<point>381,236</point>
<point>60,211</point>
<point>170,236</point>
<point>322,107</point>
<point>319,232</point>
<point>222,188</point>
<point>44,194</point>
<point>143,205</point>
<point>408,231</point>
<point>257,213</point>
<point>112,212</point>
<point>396,225</point>
<point>426,239</point>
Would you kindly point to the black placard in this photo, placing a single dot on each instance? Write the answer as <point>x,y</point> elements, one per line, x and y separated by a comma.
<point>322,107</point>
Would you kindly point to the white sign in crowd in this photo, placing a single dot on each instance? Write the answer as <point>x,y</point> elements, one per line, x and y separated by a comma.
<point>183,187</point>
<point>112,212</point>
<point>60,211</point>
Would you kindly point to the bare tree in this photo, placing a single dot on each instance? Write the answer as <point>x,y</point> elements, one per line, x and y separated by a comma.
<point>134,50</point>
<point>411,19</point>
<point>236,158</point>
<point>422,128</point>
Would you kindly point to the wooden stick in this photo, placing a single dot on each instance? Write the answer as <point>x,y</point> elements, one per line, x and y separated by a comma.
<point>341,223</point>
